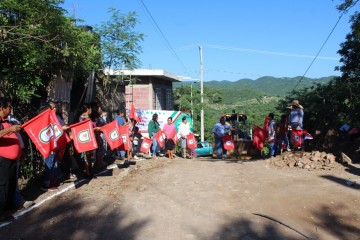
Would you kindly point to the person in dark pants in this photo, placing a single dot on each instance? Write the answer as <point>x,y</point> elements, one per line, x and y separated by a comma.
<point>10,151</point>
<point>220,130</point>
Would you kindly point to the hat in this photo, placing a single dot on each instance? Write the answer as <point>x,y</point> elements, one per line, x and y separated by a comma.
<point>296,104</point>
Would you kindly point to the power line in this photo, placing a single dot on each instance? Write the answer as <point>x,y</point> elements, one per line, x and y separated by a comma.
<point>302,77</point>
<point>163,36</point>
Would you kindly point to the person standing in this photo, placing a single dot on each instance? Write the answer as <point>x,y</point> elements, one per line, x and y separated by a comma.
<point>295,119</point>
<point>281,134</point>
<point>272,135</point>
<point>10,152</point>
<point>153,128</point>
<point>184,131</point>
<point>121,121</point>
<point>220,130</point>
<point>169,127</point>
<point>296,115</point>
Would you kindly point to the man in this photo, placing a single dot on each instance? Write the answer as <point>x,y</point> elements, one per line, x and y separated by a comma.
<point>10,151</point>
<point>184,131</point>
<point>272,134</point>
<point>296,115</point>
<point>220,130</point>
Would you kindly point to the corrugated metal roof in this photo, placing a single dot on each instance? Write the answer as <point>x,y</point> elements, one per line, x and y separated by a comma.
<point>158,73</point>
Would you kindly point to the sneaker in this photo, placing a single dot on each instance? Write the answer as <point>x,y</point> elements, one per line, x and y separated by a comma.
<point>25,205</point>
<point>136,157</point>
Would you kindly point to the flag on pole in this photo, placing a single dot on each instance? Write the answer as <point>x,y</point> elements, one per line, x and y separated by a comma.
<point>297,137</point>
<point>259,137</point>
<point>124,135</point>
<point>307,135</point>
<point>191,141</point>
<point>174,136</point>
<point>83,136</point>
<point>43,131</point>
<point>228,142</point>
<point>133,113</point>
<point>145,145</point>
<point>160,138</point>
<point>112,135</point>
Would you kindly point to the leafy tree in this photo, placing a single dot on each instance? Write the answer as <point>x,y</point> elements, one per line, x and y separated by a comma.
<point>119,41</point>
<point>39,43</point>
<point>120,47</point>
<point>337,102</point>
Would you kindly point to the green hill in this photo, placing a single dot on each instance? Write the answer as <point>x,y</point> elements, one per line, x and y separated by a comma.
<point>269,86</point>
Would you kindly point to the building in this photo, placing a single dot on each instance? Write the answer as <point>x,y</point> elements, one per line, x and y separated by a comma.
<point>147,88</point>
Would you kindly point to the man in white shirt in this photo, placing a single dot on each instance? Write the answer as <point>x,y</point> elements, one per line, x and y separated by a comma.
<point>184,131</point>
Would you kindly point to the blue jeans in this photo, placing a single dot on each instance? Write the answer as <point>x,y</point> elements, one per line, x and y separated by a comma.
<point>282,140</point>
<point>219,148</point>
<point>272,148</point>
<point>154,145</point>
<point>51,169</point>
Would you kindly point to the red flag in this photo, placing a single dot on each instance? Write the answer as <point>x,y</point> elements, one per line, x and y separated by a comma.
<point>112,135</point>
<point>43,130</point>
<point>62,142</point>
<point>307,135</point>
<point>296,137</point>
<point>174,136</point>
<point>191,141</point>
<point>228,142</point>
<point>83,136</point>
<point>266,124</point>
<point>259,137</point>
<point>124,135</point>
<point>133,113</point>
<point>145,145</point>
<point>160,138</point>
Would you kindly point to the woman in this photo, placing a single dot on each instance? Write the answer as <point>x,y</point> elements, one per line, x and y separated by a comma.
<point>153,128</point>
<point>169,127</point>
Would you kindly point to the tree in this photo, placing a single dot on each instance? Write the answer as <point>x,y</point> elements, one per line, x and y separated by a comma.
<point>38,43</point>
<point>337,102</point>
<point>120,47</point>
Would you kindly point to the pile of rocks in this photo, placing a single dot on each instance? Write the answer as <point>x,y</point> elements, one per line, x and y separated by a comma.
<point>305,160</point>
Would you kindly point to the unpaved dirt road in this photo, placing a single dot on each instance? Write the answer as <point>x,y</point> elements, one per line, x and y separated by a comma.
<point>199,199</point>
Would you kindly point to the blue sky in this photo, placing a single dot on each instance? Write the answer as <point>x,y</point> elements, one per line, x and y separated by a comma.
<point>239,39</point>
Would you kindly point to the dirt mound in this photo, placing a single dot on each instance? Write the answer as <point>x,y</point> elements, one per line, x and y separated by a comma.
<point>305,160</point>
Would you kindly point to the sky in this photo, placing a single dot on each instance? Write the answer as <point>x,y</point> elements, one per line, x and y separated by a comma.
<point>239,39</point>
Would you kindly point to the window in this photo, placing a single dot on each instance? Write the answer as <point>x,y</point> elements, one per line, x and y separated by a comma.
<point>169,100</point>
<point>158,98</point>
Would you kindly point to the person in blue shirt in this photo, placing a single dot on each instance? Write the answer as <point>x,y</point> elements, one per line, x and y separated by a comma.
<point>219,130</point>
<point>121,120</point>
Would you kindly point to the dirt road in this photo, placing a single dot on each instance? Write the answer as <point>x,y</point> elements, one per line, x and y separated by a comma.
<point>199,199</point>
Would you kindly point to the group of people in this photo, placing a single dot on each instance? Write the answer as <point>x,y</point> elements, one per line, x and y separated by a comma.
<point>11,145</point>
<point>168,129</point>
<point>280,132</point>
<point>58,166</point>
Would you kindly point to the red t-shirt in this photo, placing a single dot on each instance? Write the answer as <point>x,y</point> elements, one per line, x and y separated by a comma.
<point>9,145</point>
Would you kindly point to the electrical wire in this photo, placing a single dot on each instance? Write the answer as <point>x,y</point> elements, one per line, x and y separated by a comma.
<point>167,43</point>
<point>312,62</point>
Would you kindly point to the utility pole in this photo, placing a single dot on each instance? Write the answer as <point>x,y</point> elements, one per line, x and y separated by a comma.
<point>202,95</point>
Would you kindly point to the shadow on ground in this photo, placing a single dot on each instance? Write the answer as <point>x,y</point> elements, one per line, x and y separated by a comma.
<point>58,221</point>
